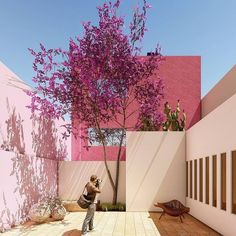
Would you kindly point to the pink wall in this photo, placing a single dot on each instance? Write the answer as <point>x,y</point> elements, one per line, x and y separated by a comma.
<point>36,136</point>
<point>29,171</point>
<point>24,180</point>
<point>182,79</point>
<point>95,153</point>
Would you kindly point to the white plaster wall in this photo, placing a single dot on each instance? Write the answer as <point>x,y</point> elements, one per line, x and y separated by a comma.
<point>155,169</point>
<point>74,175</point>
<point>223,90</point>
<point>213,135</point>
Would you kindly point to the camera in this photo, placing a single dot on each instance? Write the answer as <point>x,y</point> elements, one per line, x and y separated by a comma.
<point>98,182</point>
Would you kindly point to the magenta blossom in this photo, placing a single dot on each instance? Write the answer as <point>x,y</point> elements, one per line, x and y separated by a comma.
<point>100,80</point>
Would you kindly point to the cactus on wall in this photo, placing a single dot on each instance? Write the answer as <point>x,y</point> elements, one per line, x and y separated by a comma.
<point>147,125</point>
<point>173,120</point>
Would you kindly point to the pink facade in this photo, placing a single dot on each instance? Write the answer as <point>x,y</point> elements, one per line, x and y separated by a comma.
<point>29,150</point>
<point>37,136</point>
<point>182,80</point>
<point>24,180</point>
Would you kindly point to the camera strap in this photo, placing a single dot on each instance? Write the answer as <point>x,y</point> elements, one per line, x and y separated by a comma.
<point>84,188</point>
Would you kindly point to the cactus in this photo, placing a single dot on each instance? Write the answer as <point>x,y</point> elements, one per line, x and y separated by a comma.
<point>173,121</point>
<point>147,125</point>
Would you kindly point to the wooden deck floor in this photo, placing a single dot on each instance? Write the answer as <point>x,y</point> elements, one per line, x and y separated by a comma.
<point>116,224</point>
<point>169,226</point>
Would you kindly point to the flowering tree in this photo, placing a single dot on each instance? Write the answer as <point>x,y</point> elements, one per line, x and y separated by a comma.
<point>101,80</point>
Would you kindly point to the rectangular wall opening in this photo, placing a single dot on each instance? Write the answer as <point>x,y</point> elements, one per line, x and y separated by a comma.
<point>191,179</point>
<point>207,180</point>
<point>223,181</point>
<point>201,179</point>
<point>186,179</point>
<point>234,182</point>
<point>195,179</point>
<point>214,180</point>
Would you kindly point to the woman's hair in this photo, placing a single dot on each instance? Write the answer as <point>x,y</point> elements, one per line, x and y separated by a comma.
<point>93,177</point>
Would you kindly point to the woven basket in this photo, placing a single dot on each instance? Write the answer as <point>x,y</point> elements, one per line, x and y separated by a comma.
<point>39,213</point>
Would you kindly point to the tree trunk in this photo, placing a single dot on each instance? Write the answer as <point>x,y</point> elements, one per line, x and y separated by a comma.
<point>105,157</point>
<point>107,168</point>
<point>115,195</point>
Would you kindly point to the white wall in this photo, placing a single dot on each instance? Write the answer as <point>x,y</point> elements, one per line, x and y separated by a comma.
<point>155,169</point>
<point>74,175</point>
<point>223,90</point>
<point>213,135</point>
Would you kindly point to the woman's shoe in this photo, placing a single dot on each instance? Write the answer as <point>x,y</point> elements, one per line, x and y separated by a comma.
<point>85,234</point>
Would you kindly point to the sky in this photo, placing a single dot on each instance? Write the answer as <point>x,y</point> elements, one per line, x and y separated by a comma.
<point>205,28</point>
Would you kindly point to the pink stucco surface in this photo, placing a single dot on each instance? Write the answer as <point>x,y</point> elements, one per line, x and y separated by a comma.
<point>26,134</point>
<point>182,80</point>
<point>28,171</point>
<point>24,180</point>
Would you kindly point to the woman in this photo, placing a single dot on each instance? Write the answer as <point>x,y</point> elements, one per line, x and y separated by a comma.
<point>92,190</point>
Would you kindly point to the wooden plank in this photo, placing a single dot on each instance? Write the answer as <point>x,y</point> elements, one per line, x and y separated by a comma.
<point>119,228</point>
<point>116,224</point>
<point>129,224</point>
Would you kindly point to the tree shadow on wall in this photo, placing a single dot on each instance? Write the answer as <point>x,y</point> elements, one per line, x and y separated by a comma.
<point>34,179</point>
<point>45,140</point>
<point>35,176</point>
<point>14,138</point>
<point>7,219</point>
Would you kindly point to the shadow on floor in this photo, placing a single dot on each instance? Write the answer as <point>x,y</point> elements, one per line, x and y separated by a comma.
<point>73,232</point>
<point>30,226</point>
